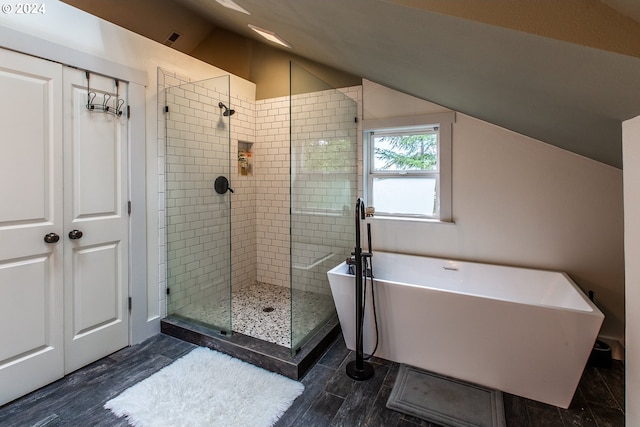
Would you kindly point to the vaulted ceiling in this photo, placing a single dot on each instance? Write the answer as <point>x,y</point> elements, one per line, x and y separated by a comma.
<point>564,72</point>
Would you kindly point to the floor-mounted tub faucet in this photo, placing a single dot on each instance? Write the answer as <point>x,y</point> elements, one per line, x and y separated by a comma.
<point>359,369</point>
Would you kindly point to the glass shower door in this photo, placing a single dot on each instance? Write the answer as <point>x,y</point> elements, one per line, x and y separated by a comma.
<point>198,203</point>
<point>323,193</point>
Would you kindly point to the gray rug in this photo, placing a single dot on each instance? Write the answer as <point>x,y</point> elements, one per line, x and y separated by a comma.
<point>445,401</point>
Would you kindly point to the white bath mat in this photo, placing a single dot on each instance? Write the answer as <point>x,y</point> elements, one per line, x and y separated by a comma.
<point>207,388</point>
<point>445,401</point>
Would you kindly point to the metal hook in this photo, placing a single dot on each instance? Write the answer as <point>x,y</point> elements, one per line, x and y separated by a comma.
<point>119,105</point>
<point>90,97</point>
<point>105,102</point>
<point>116,110</point>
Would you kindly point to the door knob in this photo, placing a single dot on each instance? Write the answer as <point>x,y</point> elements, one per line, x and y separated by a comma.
<point>51,238</point>
<point>75,234</point>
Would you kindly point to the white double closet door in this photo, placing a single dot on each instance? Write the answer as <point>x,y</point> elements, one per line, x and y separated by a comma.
<point>63,223</point>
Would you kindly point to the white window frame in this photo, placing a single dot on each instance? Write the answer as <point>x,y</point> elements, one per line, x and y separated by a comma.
<point>444,123</point>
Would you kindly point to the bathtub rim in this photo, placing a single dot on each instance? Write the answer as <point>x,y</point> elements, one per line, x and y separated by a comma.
<point>594,308</point>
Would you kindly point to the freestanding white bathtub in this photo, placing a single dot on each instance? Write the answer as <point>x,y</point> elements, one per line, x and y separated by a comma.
<point>526,332</point>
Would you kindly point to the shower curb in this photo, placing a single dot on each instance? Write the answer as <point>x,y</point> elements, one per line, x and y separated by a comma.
<point>269,356</point>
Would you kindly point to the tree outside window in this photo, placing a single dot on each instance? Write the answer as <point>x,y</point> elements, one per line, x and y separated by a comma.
<point>404,172</point>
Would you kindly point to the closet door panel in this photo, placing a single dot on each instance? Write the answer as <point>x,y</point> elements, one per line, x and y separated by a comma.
<point>96,200</point>
<point>97,167</point>
<point>26,147</point>
<point>31,286</point>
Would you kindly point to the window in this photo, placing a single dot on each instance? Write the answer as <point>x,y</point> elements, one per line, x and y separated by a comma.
<point>408,171</point>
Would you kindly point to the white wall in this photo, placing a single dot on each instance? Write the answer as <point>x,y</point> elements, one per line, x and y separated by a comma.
<point>73,37</point>
<point>518,201</point>
<point>631,160</point>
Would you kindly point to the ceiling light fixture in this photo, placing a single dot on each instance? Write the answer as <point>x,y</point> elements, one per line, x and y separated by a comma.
<point>271,36</point>
<point>230,4</point>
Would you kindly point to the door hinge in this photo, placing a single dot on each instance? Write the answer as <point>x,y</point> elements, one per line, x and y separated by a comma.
<point>128,111</point>
<point>166,108</point>
<point>129,303</point>
<point>168,291</point>
<point>129,207</point>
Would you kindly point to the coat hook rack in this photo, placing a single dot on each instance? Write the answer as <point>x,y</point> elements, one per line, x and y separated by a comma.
<point>104,107</point>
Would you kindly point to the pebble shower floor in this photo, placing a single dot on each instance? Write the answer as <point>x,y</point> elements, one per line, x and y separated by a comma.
<point>263,311</point>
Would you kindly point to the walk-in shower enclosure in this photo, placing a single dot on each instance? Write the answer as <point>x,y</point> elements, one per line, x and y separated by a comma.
<point>292,165</point>
<point>198,219</point>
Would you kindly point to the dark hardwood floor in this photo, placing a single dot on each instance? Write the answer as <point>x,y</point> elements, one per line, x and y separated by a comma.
<point>330,397</point>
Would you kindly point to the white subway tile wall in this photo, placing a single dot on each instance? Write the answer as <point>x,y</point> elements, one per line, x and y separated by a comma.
<point>243,205</point>
<point>272,191</point>
<point>260,204</point>
<point>197,218</point>
<point>320,232</point>
<point>324,147</point>
<point>197,121</point>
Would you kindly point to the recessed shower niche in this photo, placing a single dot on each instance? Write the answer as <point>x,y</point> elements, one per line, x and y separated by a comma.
<point>269,243</point>
<point>245,158</point>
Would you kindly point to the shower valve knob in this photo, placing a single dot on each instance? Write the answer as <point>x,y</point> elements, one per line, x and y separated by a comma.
<point>221,185</point>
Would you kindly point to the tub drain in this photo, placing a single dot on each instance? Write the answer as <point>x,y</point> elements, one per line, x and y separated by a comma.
<point>268,309</point>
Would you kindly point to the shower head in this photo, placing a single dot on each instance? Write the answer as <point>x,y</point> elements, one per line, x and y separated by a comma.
<point>227,112</point>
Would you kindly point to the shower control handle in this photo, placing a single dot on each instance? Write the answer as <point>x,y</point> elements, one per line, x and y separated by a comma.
<point>221,185</point>
<point>75,234</point>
